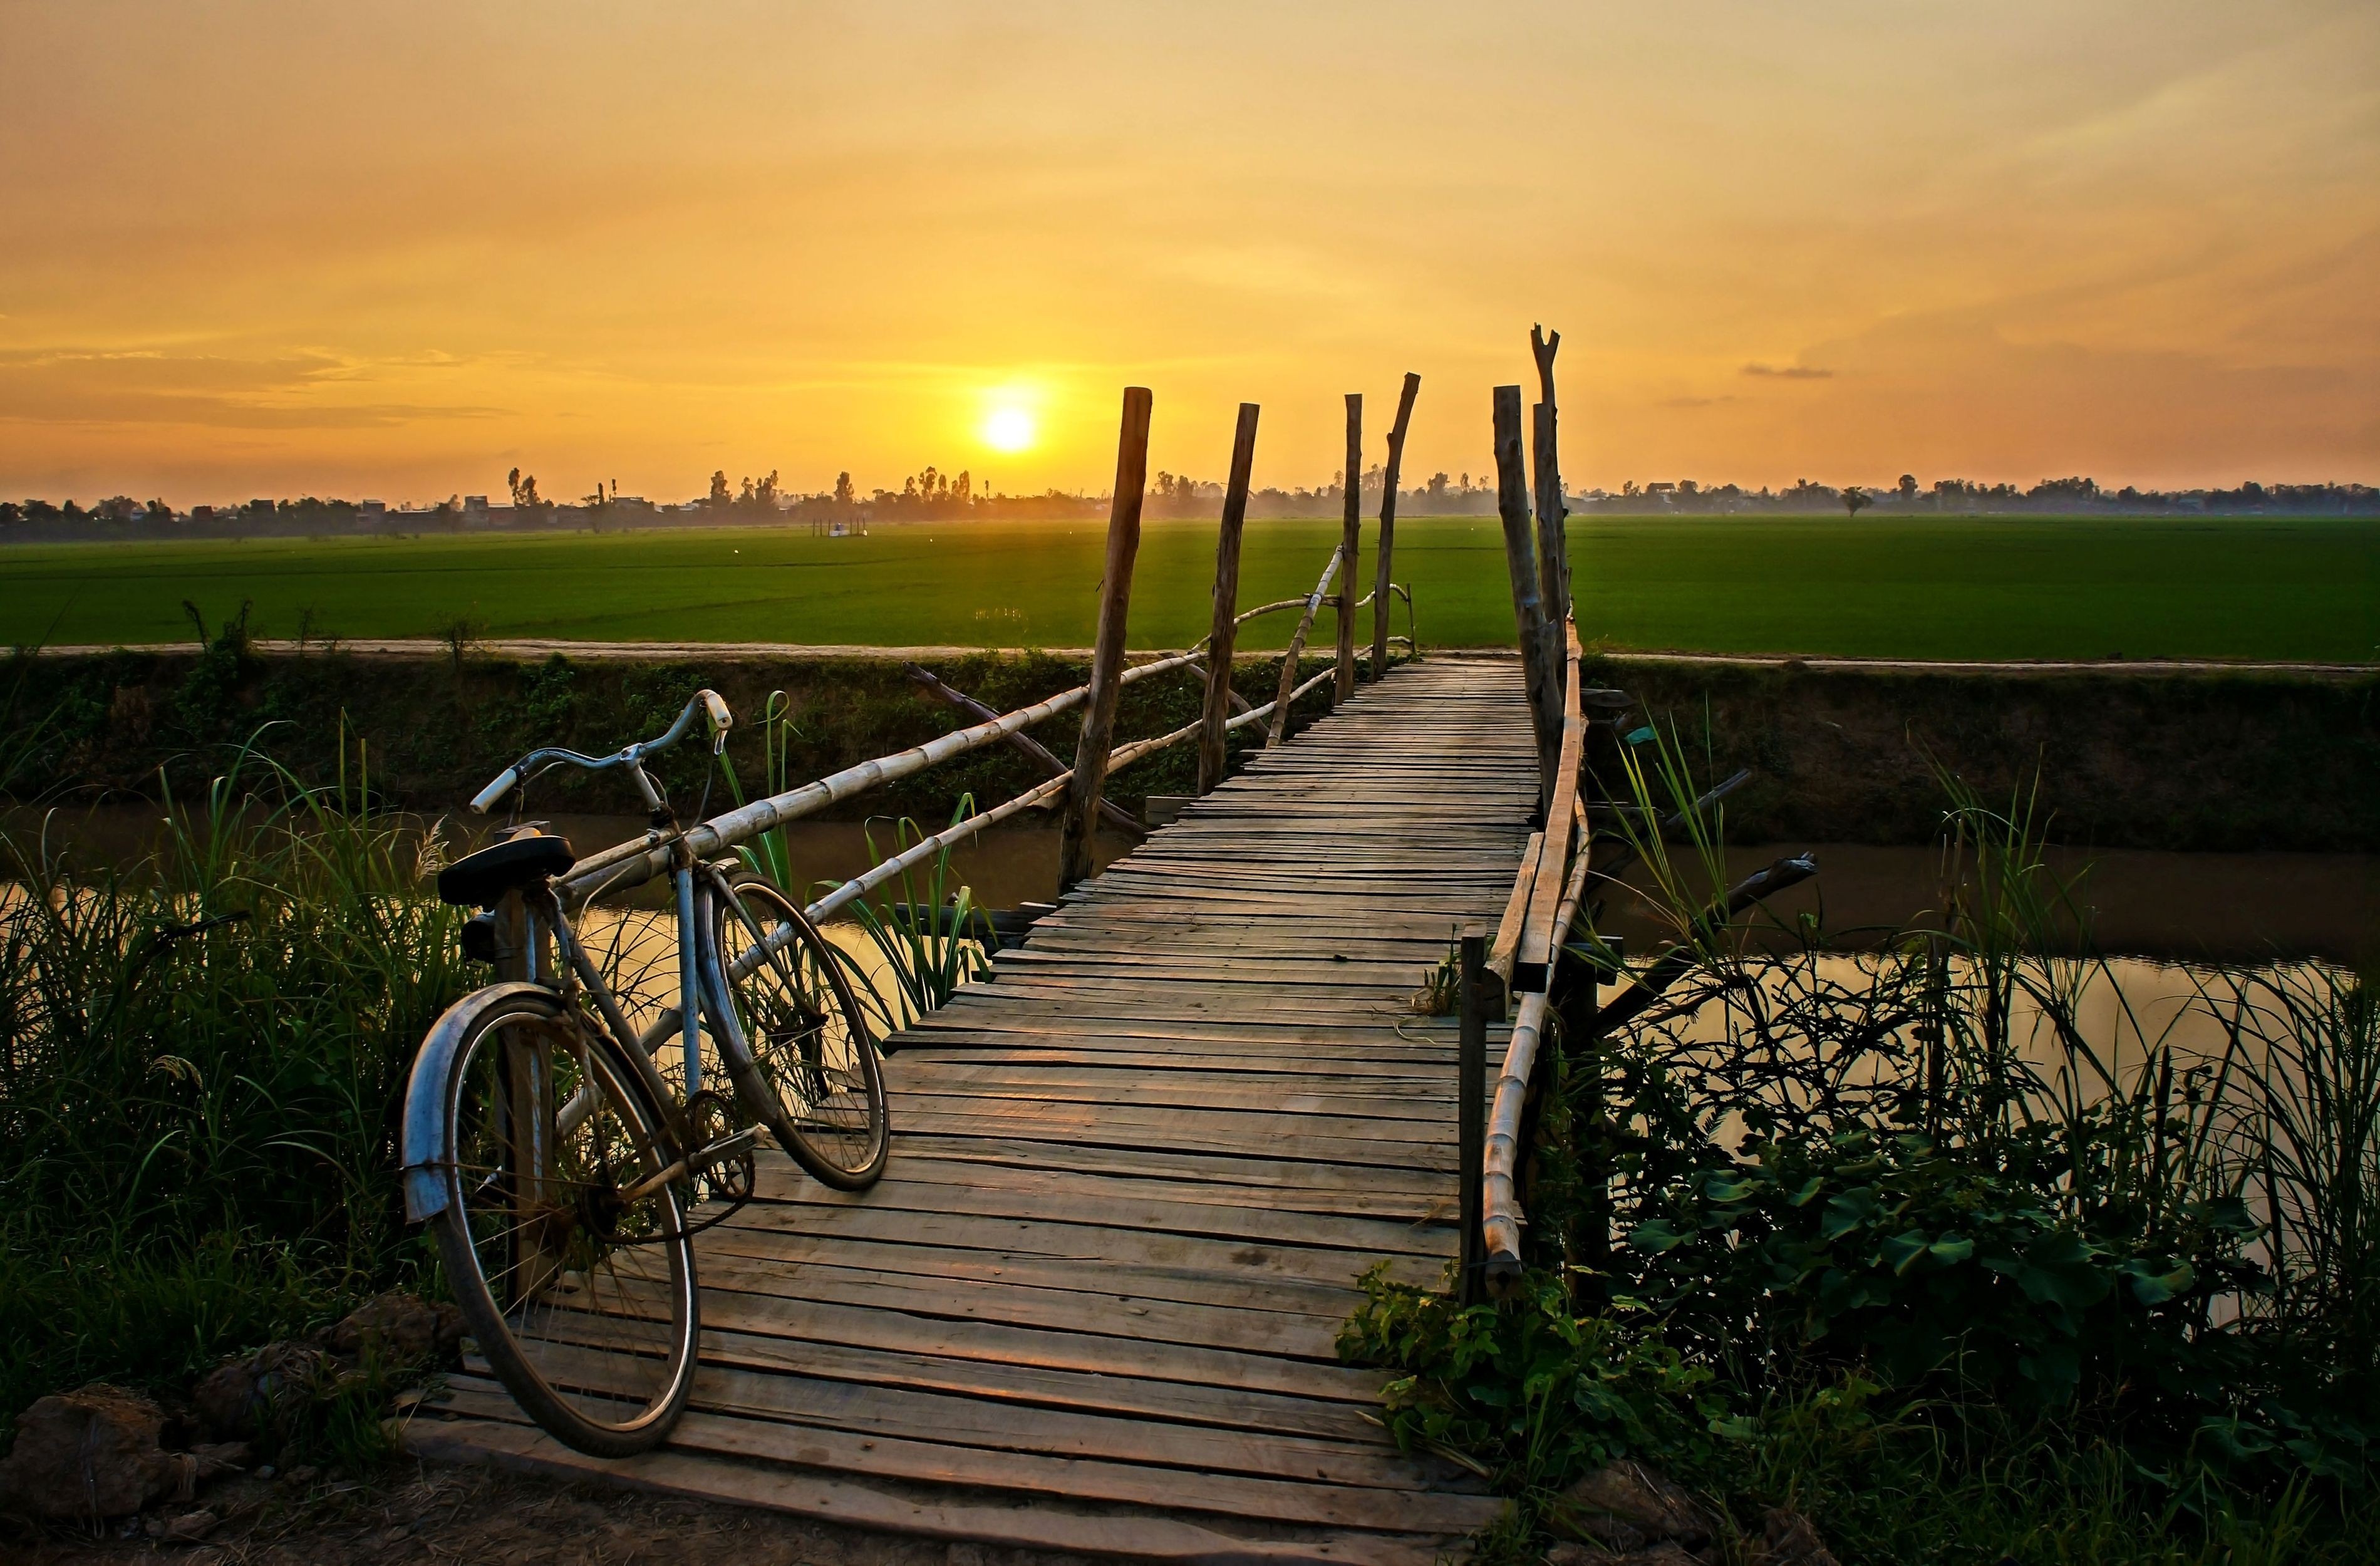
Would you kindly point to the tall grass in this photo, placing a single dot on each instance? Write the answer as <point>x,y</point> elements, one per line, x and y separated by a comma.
<point>203,1059</point>
<point>2047,1251</point>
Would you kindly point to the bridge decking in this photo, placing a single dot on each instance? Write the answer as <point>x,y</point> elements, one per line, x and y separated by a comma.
<point>1091,1306</point>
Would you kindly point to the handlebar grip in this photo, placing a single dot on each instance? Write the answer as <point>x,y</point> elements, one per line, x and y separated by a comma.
<point>495,791</point>
<point>721,720</point>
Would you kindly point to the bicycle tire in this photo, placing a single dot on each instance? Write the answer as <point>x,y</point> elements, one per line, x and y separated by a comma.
<point>585,1307</point>
<point>793,1035</point>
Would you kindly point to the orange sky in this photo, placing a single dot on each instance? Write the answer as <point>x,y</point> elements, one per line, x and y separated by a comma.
<point>394,250</point>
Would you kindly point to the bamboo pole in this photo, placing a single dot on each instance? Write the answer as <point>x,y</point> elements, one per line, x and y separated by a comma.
<point>1553,528</point>
<point>1024,745</point>
<point>1281,703</point>
<point>1211,755</point>
<point>1351,537</point>
<point>1392,476</point>
<point>1535,633</point>
<point>1074,858</point>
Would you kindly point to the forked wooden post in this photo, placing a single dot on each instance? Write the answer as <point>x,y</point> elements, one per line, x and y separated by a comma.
<point>1392,474</point>
<point>1225,627</point>
<point>1537,644</point>
<point>1470,1113</point>
<point>1351,537</point>
<point>1076,863</point>
<point>1553,528</point>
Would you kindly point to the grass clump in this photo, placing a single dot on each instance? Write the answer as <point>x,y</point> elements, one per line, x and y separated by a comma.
<point>202,1062</point>
<point>1943,1244</point>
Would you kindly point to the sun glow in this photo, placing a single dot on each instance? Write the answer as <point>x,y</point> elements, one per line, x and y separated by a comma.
<point>1008,429</point>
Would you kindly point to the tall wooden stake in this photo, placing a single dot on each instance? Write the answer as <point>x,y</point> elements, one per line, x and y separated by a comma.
<point>1351,537</point>
<point>1074,859</point>
<point>1471,1113</point>
<point>1539,658</point>
<point>1381,588</point>
<point>1227,602</point>
<point>1553,528</point>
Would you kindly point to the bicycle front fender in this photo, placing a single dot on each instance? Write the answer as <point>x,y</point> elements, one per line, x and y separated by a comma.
<point>422,1146</point>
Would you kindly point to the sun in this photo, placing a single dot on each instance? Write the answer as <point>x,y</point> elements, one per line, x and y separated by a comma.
<point>1008,429</point>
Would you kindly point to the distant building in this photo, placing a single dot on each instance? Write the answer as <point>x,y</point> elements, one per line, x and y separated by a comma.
<point>475,508</point>
<point>372,510</point>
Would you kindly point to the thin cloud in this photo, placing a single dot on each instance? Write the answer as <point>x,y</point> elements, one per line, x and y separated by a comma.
<point>1788,371</point>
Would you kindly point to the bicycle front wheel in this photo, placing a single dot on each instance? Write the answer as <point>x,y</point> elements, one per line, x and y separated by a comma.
<point>793,1035</point>
<point>564,1233</point>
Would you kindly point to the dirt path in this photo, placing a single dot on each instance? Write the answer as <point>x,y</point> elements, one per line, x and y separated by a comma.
<point>414,1514</point>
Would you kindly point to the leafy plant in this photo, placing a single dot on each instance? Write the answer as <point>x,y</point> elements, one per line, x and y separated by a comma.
<point>931,938</point>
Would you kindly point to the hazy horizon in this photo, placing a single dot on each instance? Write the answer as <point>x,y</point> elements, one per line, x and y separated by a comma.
<point>276,250</point>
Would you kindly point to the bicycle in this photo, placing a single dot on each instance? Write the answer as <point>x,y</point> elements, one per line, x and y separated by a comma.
<point>563,1176</point>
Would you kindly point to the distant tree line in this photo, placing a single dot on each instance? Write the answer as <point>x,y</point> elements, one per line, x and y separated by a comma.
<point>931,494</point>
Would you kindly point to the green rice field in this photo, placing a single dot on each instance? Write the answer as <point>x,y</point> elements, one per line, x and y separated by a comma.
<point>1951,587</point>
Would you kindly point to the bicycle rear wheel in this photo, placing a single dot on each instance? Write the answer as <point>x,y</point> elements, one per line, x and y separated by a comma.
<point>565,1245</point>
<point>793,1035</point>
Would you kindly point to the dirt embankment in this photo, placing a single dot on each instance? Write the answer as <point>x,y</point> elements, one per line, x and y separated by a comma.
<point>2197,760</point>
<point>2177,759</point>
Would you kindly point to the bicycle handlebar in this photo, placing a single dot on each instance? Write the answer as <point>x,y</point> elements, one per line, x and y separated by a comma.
<point>705,701</point>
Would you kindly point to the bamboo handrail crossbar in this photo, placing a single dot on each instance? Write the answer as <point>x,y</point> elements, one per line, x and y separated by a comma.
<point>640,859</point>
<point>1244,615</point>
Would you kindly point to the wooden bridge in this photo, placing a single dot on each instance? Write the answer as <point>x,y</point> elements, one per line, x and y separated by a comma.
<point>1091,1306</point>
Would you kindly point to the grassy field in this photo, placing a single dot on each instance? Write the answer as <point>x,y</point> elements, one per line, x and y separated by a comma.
<point>1953,588</point>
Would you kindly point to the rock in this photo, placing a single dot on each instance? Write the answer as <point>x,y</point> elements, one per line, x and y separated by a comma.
<point>303,1474</point>
<point>1626,1506</point>
<point>191,1526</point>
<point>1787,1538</point>
<point>239,1397</point>
<point>90,1454</point>
<point>399,1328</point>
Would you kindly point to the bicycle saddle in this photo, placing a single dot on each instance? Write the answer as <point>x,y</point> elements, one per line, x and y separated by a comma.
<point>477,880</point>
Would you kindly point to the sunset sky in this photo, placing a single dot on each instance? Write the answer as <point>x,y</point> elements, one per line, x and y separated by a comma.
<point>395,249</point>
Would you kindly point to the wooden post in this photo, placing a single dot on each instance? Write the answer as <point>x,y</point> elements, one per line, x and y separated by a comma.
<point>1074,858</point>
<point>1381,588</point>
<point>1351,537</point>
<point>1227,602</point>
<point>1553,541</point>
<point>1471,1113</point>
<point>1538,646</point>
